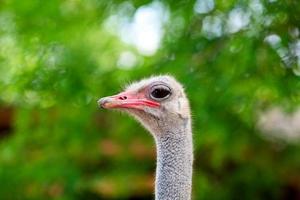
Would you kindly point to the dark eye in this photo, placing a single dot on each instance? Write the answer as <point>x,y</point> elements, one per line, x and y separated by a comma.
<point>160,92</point>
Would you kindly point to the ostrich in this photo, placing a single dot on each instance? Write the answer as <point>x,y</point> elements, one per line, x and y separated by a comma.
<point>160,105</point>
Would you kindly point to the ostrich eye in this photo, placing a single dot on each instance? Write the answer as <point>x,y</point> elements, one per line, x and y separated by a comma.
<point>160,92</point>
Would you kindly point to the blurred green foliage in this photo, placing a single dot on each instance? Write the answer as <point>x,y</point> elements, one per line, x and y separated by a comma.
<point>235,58</point>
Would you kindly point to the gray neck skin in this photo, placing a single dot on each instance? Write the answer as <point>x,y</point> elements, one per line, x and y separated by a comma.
<point>174,164</point>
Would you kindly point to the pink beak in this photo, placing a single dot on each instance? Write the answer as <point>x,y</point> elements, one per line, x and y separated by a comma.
<point>126,100</point>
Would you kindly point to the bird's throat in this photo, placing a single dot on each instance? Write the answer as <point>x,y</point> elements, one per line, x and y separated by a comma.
<point>174,165</point>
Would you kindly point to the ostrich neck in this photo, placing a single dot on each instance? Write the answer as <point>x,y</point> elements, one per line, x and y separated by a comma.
<point>174,164</point>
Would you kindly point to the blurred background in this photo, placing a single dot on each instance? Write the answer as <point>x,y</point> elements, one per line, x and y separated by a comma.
<point>239,61</point>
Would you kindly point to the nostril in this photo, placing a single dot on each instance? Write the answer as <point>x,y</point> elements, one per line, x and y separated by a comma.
<point>122,98</point>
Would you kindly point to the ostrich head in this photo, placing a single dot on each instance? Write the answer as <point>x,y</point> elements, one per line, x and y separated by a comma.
<point>159,103</point>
